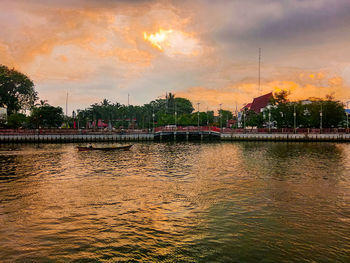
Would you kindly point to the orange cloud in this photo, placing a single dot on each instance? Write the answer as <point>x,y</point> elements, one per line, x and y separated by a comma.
<point>104,35</point>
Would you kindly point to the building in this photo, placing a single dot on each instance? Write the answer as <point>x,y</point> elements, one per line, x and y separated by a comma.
<point>258,105</point>
<point>261,102</point>
<point>246,107</point>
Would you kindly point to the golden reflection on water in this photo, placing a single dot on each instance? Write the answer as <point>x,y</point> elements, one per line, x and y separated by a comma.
<point>176,202</point>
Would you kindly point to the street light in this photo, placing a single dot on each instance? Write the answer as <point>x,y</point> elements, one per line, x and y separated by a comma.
<point>269,119</point>
<point>295,119</point>
<point>220,117</point>
<point>207,117</point>
<point>198,115</point>
<point>153,118</point>
<point>347,115</point>
<point>244,119</point>
<point>175,113</point>
<point>321,114</point>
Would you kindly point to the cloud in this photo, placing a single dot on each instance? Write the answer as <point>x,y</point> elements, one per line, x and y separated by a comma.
<point>97,47</point>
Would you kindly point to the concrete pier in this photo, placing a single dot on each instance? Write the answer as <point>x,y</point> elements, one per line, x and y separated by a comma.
<point>63,138</point>
<point>336,137</point>
<point>166,136</point>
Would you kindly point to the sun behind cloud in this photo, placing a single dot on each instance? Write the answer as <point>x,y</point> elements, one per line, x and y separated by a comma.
<point>173,42</point>
<point>158,39</point>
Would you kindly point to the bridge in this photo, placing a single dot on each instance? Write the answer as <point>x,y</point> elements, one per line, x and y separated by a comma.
<point>187,133</point>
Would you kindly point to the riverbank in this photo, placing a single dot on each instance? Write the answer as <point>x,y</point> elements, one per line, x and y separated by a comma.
<point>111,137</point>
<point>48,138</point>
<point>335,137</point>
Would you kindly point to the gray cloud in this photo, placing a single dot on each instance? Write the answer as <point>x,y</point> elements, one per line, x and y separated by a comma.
<point>283,21</point>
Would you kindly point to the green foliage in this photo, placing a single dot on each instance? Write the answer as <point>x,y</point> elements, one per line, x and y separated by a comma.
<point>123,116</point>
<point>253,120</point>
<point>183,106</point>
<point>16,90</point>
<point>307,113</point>
<point>16,120</point>
<point>46,116</point>
<point>225,115</point>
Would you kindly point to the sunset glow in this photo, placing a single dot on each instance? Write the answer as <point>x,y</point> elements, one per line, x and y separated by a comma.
<point>109,49</point>
<point>158,39</point>
<point>174,42</point>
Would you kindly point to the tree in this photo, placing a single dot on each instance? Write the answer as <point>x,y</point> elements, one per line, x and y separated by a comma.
<point>252,119</point>
<point>183,106</point>
<point>280,97</point>
<point>225,115</point>
<point>16,90</point>
<point>16,120</point>
<point>46,116</point>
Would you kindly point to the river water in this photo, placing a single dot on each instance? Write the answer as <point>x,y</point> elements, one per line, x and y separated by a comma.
<point>176,202</point>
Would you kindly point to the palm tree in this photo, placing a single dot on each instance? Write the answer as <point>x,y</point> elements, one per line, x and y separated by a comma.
<point>42,103</point>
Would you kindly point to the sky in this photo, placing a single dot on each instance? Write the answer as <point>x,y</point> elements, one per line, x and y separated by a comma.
<point>203,50</point>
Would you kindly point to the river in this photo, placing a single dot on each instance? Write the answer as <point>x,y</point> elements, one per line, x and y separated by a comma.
<point>176,202</point>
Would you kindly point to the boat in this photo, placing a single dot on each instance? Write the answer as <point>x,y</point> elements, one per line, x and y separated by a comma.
<point>90,148</point>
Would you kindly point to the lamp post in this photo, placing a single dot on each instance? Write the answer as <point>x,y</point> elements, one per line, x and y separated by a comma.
<point>153,118</point>
<point>347,115</point>
<point>295,119</point>
<point>220,117</point>
<point>321,115</point>
<point>198,115</point>
<point>175,113</point>
<point>207,117</point>
<point>269,119</point>
<point>244,120</point>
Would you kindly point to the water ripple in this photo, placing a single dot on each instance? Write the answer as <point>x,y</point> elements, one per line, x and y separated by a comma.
<point>176,202</point>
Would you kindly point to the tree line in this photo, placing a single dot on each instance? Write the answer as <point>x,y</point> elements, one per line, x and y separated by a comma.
<point>310,113</point>
<point>18,96</point>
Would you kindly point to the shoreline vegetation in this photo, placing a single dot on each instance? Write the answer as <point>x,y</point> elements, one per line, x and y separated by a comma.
<point>24,110</point>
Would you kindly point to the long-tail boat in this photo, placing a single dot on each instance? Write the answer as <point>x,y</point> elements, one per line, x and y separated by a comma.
<point>90,148</point>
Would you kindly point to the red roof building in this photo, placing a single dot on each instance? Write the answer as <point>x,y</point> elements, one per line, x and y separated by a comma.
<point>246,107</point>
<point>261,102</point>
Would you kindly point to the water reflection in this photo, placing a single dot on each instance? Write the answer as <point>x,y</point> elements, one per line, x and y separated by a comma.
<point>175,202</point>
